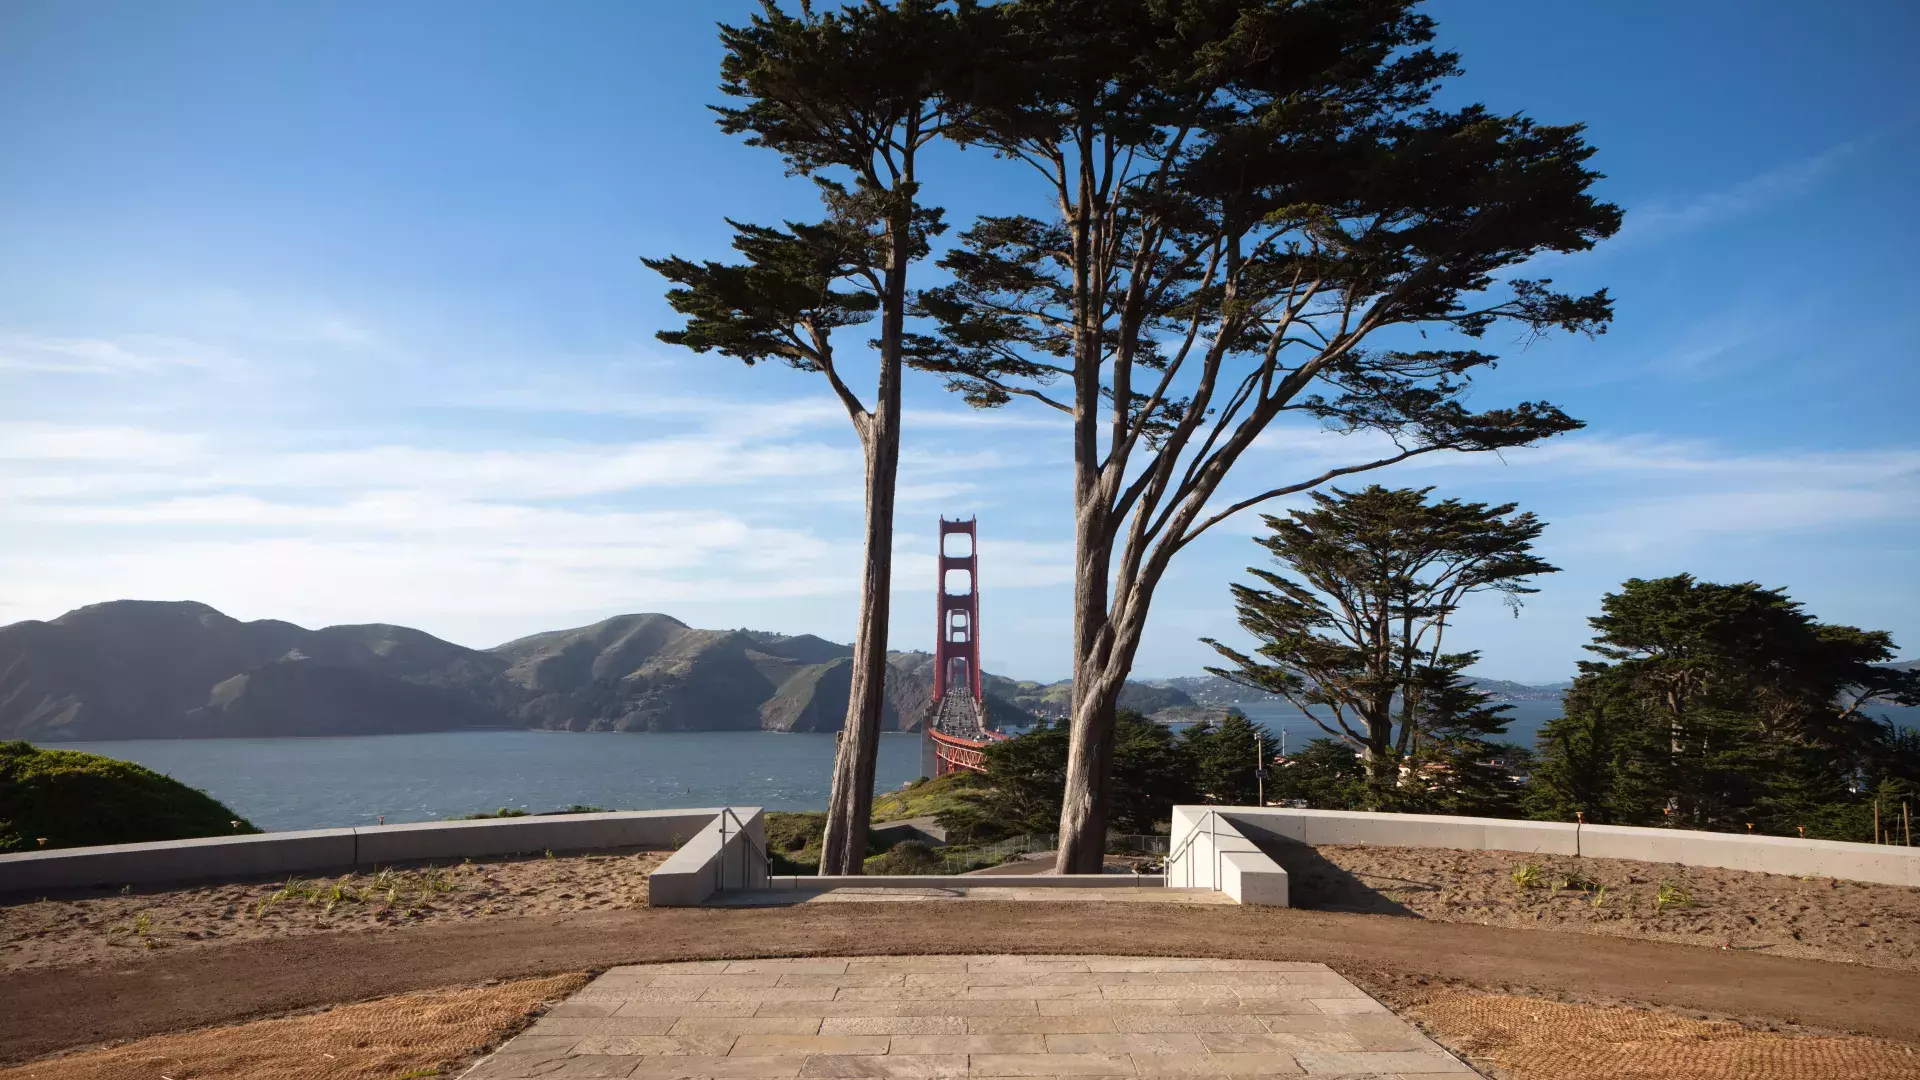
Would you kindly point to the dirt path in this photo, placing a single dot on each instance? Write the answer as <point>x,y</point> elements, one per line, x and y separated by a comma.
<point>171,990</point>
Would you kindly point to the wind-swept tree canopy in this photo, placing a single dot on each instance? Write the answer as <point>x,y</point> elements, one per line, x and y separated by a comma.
<point>1719,706</point>
<point>1352,623</point>
<point>1256,211</point>
<point>848,97</point>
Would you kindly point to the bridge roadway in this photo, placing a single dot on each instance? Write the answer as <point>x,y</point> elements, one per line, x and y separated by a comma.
<point>958,715</point>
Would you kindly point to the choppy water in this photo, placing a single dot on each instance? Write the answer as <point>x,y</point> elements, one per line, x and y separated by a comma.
<point>331,783</point>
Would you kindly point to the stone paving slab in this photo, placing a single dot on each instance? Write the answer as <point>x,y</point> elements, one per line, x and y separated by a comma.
<point>951,1017</point>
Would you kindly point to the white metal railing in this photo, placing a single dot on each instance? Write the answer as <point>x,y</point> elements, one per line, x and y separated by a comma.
<point>1183,854</point>
<point>760,859</point>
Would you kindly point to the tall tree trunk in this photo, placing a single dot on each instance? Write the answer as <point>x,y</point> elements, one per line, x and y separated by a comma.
<point>1096,699</point>
<point>850,805</point>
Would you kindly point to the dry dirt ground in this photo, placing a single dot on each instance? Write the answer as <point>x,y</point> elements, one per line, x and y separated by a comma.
<point>93,925</point>
<point>1814,918</point>
<point>149,992</point>
<point>1519,1038</point>
<point>1532,1039</point>
<point>411,1035</point>
<point>1786,956</point>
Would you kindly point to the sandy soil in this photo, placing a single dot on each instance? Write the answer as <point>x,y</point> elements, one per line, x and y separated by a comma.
<point>1815,918</point>
<point>92,925</point>
<point>1530,1039</point>
<point>435,1033</point>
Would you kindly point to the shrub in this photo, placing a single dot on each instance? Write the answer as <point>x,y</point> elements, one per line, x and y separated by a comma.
<point>793,840</point>
<point>905,857</point>
<point>74,799</point>
<point>1026,776</point>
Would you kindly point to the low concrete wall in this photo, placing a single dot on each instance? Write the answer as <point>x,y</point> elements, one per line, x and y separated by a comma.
<point>1766,854</point>
<point>1318,827</point>
<point>177,860</point>
<point>1880,863</point>
<point>326,849</point>
<point>729,852</point>
<point>659,829</point>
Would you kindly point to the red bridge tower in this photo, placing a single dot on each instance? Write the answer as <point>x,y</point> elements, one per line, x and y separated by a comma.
<point>956,651</point>
<point>955,727</point>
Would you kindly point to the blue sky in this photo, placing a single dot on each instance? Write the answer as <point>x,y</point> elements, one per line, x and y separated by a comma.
<point>333,313</point>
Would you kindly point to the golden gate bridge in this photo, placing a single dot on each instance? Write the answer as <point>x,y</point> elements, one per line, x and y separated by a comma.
<point>955,727</point>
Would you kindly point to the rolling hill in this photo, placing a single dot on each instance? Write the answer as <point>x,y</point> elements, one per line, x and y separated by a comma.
<point>134,669</point>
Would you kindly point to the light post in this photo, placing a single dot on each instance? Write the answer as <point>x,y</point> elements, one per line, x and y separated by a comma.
<point>1260,766</point>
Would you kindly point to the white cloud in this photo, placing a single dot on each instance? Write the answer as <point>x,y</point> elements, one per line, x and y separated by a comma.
<point>32,441</point>
<point>98,356</point>
<point>449,538</point>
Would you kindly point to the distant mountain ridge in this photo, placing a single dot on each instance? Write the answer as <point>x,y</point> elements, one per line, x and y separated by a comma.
<point>179,669</point>
<point>133,669</point>
<point>1216,692</point>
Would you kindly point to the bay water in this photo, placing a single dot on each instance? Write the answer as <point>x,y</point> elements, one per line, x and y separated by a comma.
<point>359,780</point>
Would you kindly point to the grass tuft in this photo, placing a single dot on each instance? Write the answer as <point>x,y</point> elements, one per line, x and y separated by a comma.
<point>1672,894</point>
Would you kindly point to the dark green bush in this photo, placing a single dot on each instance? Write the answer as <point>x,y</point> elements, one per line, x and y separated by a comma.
<point>905,857</point>
<point>67,798</point>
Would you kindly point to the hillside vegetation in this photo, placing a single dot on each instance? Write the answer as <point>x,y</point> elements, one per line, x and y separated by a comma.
<point>64,798</point>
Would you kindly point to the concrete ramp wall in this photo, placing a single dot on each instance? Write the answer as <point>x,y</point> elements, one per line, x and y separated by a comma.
<point>1214,846</point>
<point>329,849</point>
<point>730,852</point>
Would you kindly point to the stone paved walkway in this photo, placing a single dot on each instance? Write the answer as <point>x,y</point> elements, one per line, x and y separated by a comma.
<point>934,1017</point>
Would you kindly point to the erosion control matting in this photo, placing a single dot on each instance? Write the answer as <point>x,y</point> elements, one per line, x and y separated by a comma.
<point>411,1035</point>
<point>1533,1039</point>
<point>165,990</point>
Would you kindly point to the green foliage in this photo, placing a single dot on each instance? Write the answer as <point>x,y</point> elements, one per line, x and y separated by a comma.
<point>906,857</point>
<point>794,839</point>
<point>1325,775</point>
<point>1724,706</point>
<point>925,797</point>
<point>1672,894</point>
<point>1354,620</point>
<point>1686,644</point>
<point>1026,777</point>
<point>1225,759</point>
<point>401,889</point>
<point>67,798</point>
<point>1528,876</point>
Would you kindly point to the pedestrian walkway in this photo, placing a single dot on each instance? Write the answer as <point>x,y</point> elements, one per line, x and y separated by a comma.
<point>942,1017</point>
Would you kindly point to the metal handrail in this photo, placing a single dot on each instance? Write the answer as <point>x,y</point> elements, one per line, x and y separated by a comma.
<point>720,868</point>
<point>1212,818</point>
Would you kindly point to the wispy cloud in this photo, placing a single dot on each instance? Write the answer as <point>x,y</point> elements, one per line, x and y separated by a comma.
<point>440,536</point>
<point>98,356</point>
<point>1661,219</point>
<point>1628,493</point>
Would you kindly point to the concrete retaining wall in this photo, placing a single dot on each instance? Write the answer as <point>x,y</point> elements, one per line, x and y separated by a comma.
<point>1880,863</point>
<point>327,849</point>
<point>730,852</point>
<point>1766,854</point>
